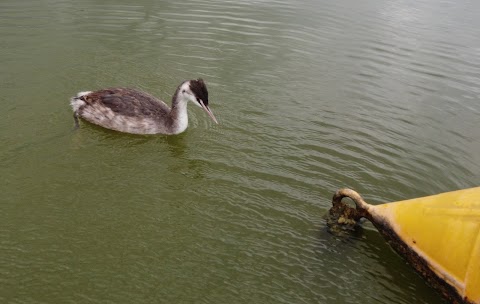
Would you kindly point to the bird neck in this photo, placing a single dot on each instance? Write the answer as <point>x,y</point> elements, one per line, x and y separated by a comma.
<point>178,113</point>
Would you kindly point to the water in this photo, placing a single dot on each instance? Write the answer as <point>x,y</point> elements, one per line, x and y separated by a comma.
<point>311,96</point>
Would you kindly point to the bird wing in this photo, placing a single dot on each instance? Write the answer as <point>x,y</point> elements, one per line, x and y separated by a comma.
<point>128,102</point>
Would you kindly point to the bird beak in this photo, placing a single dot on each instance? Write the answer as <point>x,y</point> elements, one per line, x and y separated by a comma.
<point>209,112</point>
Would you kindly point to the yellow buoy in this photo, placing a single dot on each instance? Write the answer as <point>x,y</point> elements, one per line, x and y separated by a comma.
<point>438,235</point>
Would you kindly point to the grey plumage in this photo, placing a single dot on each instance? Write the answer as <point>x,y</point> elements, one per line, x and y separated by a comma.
<point>133,111</point>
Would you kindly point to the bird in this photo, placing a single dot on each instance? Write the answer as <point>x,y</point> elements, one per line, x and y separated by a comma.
<point>133,111</point>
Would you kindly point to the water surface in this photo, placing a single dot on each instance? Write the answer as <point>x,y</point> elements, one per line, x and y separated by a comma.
<point>380,96</point>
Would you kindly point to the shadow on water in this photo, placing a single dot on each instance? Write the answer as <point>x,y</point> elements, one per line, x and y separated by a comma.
<point>171,152</point>
<point>176,144</point>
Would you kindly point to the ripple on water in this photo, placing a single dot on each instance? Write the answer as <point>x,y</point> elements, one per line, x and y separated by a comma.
<point>312,96</point>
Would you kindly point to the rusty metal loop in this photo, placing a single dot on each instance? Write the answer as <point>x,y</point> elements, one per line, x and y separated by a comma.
<point>361,205</point>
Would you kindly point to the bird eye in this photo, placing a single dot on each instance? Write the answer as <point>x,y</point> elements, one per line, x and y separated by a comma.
<point>183,91</point>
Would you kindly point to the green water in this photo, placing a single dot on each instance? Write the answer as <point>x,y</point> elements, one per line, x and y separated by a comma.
<point>311,96</point>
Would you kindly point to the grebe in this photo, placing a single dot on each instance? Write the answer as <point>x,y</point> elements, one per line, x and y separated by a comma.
<point>133,111</point>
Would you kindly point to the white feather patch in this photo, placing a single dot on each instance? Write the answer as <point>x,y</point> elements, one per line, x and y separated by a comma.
<point>77,103</point>
<point>80,94</point>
